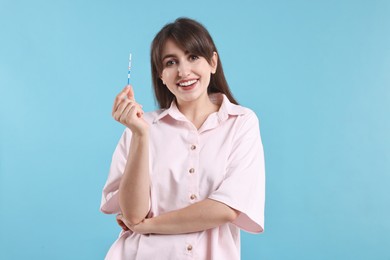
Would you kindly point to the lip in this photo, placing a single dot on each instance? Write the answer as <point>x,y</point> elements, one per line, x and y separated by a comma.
<point>190,87</point>
<point>185,80</point>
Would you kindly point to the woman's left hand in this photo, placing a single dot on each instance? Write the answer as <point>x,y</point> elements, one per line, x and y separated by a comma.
<point>141,228</point>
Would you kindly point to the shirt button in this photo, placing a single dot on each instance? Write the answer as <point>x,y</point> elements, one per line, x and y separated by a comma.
<point>193,196</point>
<point>192,170</point>
<point>193,147</point>
<point>189,248</point>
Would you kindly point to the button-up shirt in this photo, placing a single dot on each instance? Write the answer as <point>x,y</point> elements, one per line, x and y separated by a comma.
<point>222,160</point>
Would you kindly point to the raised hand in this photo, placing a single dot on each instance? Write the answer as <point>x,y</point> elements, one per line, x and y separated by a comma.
<point>128,112</point>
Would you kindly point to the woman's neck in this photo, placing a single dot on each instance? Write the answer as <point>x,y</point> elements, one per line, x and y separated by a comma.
<point>197,111</point>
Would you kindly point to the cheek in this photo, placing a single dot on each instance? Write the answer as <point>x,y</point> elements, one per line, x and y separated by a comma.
<point>166,74</point>
<point>203,67</point>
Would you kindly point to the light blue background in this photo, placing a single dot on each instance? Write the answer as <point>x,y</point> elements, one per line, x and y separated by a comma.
<point>317,73</point>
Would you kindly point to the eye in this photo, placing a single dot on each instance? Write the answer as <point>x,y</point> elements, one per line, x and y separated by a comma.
<point>170,63</point>
<point>193,57</point>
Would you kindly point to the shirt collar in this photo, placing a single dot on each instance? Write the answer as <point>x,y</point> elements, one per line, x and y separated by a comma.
<point>227,108</point>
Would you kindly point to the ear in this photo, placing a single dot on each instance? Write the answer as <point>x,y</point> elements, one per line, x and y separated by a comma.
<point>214,63</point>
<point>161,77</point>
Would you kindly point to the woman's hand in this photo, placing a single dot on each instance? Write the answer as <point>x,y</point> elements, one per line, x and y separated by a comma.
<point>119,219</point>
<point>140,228</point>
<point>128,112</point>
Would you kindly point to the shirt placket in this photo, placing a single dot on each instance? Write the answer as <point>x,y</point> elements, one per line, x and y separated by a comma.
<point>192,173</point>
<point>192,167</point>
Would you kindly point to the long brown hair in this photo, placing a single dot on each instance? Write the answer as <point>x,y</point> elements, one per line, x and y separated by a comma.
<point>193,37</point>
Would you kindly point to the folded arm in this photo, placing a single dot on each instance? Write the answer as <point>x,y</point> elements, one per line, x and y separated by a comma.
<point>199,216</point>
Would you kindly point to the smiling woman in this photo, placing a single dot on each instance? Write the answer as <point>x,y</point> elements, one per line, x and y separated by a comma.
<point>187,77</point>
<point>186,178</point>
<point>195,41</point>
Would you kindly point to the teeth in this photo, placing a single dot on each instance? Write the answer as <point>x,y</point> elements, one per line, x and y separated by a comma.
<point>187,83</point>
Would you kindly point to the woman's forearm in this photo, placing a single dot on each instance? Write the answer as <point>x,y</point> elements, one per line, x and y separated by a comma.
<point>134,189</point>
<point>200,216</point>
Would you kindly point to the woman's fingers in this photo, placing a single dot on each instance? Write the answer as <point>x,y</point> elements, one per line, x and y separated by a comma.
<point>130,92</point>
<point>128,112</point>
<point>121,107</point>
<point>123,95</point>
<point>123,114</point>
<point>120,222</point>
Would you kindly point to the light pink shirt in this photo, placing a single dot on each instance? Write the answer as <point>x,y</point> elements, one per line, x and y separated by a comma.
<point>223,161</point>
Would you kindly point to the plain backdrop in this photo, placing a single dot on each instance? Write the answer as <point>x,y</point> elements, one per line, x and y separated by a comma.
<point>317,74</point>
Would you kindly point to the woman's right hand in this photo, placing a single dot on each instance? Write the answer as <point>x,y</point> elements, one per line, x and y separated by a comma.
<point>129,113</point>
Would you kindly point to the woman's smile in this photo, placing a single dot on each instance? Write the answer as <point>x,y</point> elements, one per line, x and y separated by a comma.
<point>187,84</point>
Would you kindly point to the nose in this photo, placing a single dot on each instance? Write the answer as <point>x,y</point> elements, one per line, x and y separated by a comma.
<point>183,69</point>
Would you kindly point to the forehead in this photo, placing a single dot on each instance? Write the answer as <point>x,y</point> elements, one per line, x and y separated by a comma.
<point>172,49</point>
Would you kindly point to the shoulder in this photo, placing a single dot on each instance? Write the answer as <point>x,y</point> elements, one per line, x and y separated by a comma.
<point>230,111</point>
<point>247,124</point>
<point>245,114</point>
<point>239,112</point>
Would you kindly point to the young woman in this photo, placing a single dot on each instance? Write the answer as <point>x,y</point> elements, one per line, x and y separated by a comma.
<point>186,178</point>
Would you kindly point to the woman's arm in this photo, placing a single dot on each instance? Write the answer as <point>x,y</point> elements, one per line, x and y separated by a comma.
<point>199,216</point>
<point>134,189</point>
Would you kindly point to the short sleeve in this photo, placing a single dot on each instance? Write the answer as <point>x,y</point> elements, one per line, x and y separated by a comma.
<point>243,187</point>
<point>110,203</point>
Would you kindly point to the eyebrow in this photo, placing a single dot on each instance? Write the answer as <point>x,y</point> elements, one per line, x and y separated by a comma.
<point>173,55</point>
<point>169,56</point>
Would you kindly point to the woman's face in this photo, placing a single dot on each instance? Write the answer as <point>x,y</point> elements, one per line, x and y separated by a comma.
<point>186,75</point>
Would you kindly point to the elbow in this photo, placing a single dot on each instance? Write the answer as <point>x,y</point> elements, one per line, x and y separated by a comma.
<point>225,212</point>
<point>231,214</point>
<point>133,217</point>
<point>132,220</point>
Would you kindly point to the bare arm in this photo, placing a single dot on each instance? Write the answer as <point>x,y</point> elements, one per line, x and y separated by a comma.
<point>134,189</point>
<point>200,216</point>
